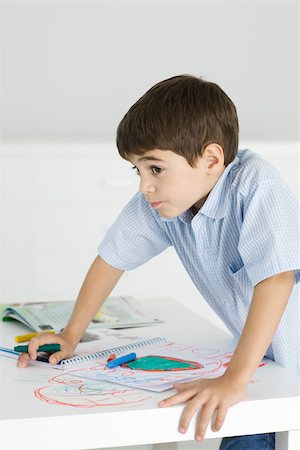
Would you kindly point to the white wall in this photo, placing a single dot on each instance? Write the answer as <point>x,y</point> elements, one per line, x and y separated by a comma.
<point>71,68</point>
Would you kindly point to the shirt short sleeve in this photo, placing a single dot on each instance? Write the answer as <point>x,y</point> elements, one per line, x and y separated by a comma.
<point>134,238</point>
<point>269,238</point>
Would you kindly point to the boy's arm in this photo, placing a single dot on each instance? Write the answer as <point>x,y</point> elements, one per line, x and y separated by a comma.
<point>269,300</point>
<point>99,282</point>
<point>215,396</point>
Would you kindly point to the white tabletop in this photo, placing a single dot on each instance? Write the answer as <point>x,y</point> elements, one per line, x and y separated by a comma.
<point>43,408</point>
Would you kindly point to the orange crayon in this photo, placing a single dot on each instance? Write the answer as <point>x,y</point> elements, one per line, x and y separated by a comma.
<point>111,357</point>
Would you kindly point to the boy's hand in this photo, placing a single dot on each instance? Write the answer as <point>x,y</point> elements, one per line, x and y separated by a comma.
<point>67,348</point>
<point>213,397</point>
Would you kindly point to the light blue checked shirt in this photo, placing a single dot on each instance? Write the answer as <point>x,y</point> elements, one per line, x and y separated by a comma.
<point>246,231</point>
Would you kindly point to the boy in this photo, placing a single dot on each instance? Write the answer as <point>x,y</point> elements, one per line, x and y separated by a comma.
<point>233,223</point>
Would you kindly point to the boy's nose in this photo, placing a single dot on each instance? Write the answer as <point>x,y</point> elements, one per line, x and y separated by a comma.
<point>146,186</point>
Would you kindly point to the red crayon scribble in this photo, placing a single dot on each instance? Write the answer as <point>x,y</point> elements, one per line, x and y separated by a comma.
<point>260,365</point>
<point>65,390</point>
<point>69,390</point>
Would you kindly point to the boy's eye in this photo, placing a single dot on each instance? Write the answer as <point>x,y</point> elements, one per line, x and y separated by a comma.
<point>156,170</point>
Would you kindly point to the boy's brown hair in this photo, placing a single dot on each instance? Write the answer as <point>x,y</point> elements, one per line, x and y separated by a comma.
<point>182,114</point>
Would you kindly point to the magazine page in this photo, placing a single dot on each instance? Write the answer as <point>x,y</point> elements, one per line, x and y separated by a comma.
<point>117,312</point>
<point>40,316</point>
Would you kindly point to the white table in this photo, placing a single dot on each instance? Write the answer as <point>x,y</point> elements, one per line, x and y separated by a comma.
<point>31,417</point>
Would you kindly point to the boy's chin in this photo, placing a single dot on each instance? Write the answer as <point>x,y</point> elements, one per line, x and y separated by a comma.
<point>168,214</point>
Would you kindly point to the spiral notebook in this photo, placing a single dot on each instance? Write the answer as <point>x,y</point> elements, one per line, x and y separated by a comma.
<point>82,358</point>
<point>96,345</point>
<point>159,363</point>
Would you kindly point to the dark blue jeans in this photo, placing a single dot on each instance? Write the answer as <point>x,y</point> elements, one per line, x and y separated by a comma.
<point>265,441</point>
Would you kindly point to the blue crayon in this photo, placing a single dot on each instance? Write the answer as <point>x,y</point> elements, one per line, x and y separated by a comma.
<point>8,350</point>
<point>122,360</point>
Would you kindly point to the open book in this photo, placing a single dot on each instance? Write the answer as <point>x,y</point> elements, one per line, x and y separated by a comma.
<point>116,312</point>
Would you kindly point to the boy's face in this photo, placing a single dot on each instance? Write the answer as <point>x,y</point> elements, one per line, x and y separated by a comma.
<point>171,185</point>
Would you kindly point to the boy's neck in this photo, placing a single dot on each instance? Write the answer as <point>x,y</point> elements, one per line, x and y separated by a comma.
<point>200,203</point>
<point>195,208</point>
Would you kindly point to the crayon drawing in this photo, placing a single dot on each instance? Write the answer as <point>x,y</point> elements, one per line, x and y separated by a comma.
<point>168,363</point>
<point>156,372</point>
<point>154,363</point>
<point>66,390</point>
<point>97,386</point>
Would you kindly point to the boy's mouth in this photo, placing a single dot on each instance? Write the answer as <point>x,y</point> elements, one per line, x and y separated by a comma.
<point>155,204</point>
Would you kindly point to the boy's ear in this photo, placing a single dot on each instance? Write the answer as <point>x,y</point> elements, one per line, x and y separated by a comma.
<point>213,157</point>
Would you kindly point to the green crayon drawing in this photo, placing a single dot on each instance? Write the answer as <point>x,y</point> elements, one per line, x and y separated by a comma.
<point>161,363</point>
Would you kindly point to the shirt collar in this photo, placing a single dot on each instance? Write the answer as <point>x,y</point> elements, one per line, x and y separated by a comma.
<point>216,202</point>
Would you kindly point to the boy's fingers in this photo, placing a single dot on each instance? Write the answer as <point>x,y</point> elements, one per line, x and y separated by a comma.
<point>42,339</point>
<point>57,356</point>
<point>39,340</point>
<point>180,397</point>
<point>23,360</point>
<point>188,413</point>
<point>184,386</point>
<point>204,417</point>
<point>220,418</point>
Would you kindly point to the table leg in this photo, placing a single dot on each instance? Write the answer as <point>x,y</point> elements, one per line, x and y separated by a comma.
<point>287,440</point>
<point>166,446</point>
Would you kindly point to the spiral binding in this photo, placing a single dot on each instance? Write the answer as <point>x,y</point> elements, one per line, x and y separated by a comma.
<point>116,350</point>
